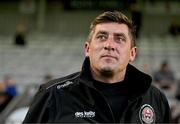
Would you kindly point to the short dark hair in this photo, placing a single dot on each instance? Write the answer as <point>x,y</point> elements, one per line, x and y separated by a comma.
<point>117,17</point>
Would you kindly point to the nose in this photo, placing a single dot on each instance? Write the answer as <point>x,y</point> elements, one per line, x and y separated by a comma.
<point>109,45</point>
<point>109,48</point>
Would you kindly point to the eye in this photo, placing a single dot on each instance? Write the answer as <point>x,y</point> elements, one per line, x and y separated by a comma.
<point>101,37</point>
<point>120,39</point>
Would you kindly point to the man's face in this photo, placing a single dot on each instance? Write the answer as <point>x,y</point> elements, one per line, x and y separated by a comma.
<point>110,48</point>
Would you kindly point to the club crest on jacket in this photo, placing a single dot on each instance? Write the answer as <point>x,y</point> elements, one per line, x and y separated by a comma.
<point>146,114</point>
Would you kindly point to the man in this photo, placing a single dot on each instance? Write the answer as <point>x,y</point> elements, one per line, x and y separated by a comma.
<point>107,89</point>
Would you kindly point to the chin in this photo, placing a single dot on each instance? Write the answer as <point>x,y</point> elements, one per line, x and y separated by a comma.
<point>106,71</point>
<point>107,67</point>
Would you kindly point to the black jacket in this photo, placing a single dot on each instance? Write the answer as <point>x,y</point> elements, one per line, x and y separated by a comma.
<point>74,99</point>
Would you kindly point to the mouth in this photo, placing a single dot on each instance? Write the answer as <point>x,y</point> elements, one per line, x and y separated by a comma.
<point>109,56</point>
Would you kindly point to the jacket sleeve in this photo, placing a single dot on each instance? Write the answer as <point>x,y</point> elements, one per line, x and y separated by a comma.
<point>167,111</point>
<point>38,111</point>
<point>161,106</point>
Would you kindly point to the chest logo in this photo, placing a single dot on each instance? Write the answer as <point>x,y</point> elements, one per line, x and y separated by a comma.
<point>67,83</point>
<point>85,114</point>
<point>146,114</point>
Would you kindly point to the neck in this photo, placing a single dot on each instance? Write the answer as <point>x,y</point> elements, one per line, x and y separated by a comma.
<point>108,78</point>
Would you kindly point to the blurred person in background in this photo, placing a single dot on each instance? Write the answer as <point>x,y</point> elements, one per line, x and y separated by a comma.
<point>174,28</point>
<point>164,77</point>
<point>108,89</point>
<point>7,91</point>
<point>10,85</point>
<point>20,35</point>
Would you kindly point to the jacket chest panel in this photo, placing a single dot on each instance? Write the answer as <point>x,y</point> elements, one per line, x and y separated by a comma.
<point>79,107</point>
<point>74,107</point>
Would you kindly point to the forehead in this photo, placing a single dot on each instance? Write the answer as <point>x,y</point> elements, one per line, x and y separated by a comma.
<point>112,28</point>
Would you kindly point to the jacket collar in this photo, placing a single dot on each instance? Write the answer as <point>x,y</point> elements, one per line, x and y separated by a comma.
<point>137,81</point>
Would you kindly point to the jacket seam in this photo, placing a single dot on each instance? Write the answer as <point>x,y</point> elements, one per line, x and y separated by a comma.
<point>39,119</point>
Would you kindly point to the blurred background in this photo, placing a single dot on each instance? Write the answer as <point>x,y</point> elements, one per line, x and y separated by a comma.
<point>43,39</point>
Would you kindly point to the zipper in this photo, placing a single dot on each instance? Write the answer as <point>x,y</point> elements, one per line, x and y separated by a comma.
<point>107,104</point>
<point>111,112</point>
<point>125,111</point>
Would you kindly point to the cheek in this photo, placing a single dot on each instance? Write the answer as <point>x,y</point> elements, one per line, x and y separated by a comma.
<point>125,54</point>
<point>95,49</point>
<point>95,53</point>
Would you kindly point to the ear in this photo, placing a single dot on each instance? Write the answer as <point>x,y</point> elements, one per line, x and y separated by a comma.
<point>86,49</point>
<point>133,53</point>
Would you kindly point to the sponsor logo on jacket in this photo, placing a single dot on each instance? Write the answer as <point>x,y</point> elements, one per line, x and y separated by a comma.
<point>67,83</point>
<point>85,114</point>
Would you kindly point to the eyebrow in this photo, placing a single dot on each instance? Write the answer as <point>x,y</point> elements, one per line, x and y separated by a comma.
<point>120,34</point>
<point>105,32</point>
<point>115,34</point>
<point>102,32</point>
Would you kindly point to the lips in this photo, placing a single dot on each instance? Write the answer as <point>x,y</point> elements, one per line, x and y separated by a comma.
<point>108,56</point>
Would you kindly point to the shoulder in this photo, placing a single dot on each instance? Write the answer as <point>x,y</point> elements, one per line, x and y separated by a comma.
<point>61,82</point>
<point>155,91</point>
<point>157,94</point>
